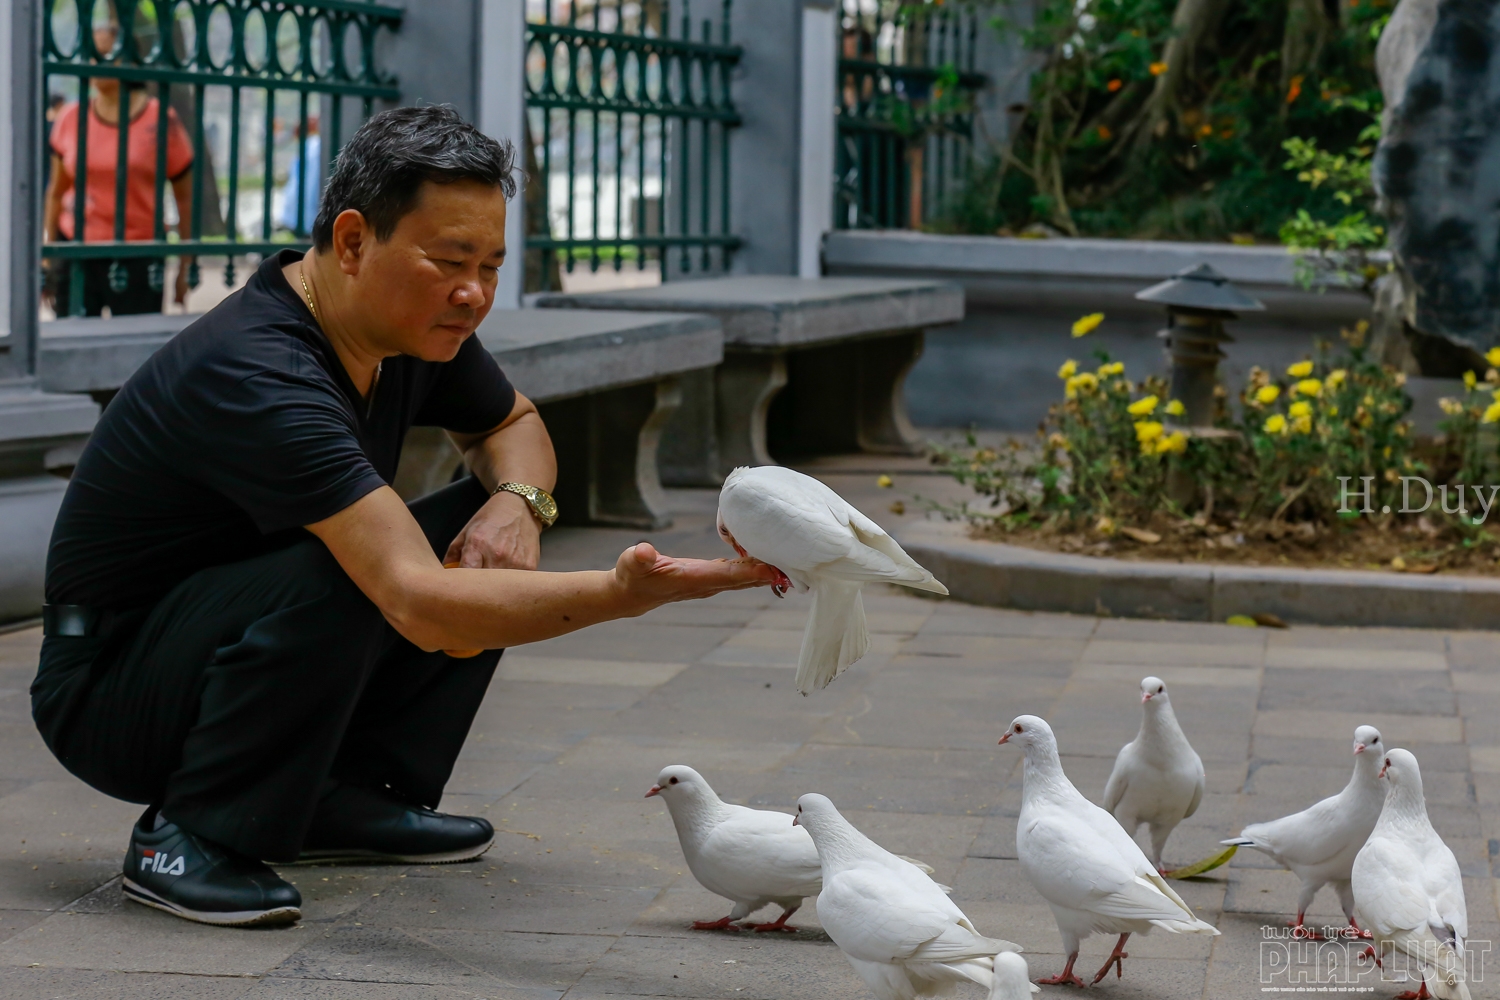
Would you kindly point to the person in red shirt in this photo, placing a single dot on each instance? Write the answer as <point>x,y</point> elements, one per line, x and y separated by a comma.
<point>100,208</point>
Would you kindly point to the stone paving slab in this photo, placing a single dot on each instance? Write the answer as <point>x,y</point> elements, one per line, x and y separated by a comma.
<point>585,895</point>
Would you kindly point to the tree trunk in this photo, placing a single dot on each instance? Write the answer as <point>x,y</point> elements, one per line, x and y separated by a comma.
<point>1302,40</point>
<point>1193,23</point>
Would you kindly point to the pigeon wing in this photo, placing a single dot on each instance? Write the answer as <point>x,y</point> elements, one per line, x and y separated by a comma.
<point>1119,779</point>
<point>1078,867</point>
<point>1391,898</point>
<point>875,919</point>
<point>764,855</point>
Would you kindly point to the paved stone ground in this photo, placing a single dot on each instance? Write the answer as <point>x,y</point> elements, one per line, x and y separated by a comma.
<point>585,893</point>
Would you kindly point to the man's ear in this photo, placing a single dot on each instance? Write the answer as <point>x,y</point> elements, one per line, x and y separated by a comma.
<point>350,234</point>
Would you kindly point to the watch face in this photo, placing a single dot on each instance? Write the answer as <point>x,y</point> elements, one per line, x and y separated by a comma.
<point>545,505</point>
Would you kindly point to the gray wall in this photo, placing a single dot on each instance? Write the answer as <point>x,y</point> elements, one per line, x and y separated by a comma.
<point>435,55</point>
<point>764,150</point>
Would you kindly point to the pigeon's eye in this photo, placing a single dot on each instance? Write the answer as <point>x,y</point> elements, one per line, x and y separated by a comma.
<point>1018,728</point>
<point>673,781</point>
<point>1160,690</point>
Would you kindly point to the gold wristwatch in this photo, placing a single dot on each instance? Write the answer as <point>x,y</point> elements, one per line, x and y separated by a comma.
<point>542,504</point>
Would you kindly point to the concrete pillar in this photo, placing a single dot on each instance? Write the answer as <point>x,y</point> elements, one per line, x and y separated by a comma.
<point>38,431</point>
<point>1003,58</point>
<point>781,178</point>
<point>502,114</point>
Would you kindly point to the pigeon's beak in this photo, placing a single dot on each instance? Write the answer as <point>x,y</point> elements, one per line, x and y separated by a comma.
<point>1145,697</point>
<point>794,821</point>
<point>655,790</point>
<point>1383,770</point>
<point>1006,738</point>
<point>1359,748</point>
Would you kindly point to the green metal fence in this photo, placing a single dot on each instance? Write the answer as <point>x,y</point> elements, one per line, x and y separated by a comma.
<point>235,73</point>
<point>906,83</point>
<point>628,120</point>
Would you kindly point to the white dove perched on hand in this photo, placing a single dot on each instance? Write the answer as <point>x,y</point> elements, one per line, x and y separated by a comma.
<point>1319,843</point>
<point>1408,887</point>
<point>751,857</point>
<point>821,543</point>
<point>897,927</point>
<point>1088,869</point>
<point>1158,777</point>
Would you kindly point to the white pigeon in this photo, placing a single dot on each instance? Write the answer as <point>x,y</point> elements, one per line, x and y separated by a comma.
<point>819,542</point>
<point>1319,843</point>
<point>1088,869</point>
<point>1012,978</point>
<point>752,857</point>
<point>1408,887</point>
<point>897,927</point>
<point>1158,778</point>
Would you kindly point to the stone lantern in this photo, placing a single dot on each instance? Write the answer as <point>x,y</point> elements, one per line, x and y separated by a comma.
<point>1198,300</point>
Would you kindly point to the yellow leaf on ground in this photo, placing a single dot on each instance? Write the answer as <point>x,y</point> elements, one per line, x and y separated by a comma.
<point>1243,621</point>
<point>1208,864</point>
<point>1141,535</point>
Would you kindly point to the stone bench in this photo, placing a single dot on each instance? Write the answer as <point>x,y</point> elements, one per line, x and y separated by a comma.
<point>811,366</point>
<point>605,382</point>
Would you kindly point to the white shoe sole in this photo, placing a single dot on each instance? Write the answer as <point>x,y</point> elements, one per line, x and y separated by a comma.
<point>232,918</point>
<point>375,857</point>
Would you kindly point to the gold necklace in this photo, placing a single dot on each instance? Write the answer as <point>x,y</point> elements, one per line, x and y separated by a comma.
<point>302,274</point>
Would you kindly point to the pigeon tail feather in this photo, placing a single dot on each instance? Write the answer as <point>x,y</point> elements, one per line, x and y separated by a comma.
<point>837,634</point>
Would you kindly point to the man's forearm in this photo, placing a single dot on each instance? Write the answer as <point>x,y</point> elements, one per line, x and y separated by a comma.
<point>520,452</point>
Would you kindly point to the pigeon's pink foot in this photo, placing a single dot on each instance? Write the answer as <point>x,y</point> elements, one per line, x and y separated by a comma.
<point>1369,952</point>
<point>1420,994</point>
<point>1116,958</point>
<point>722,924</point>
<point>779,925</point>
<point>1065,977</point>
<point>1302,932</point>
<point>781,585</point>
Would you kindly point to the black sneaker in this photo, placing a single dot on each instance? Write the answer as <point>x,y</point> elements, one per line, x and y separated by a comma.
<point>196,879</point>
<point>359,824</point>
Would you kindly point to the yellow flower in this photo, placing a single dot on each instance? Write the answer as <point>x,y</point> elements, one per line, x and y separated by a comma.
<point>1087,325</point>
<point>1302,425</point>
<point>1493,356</point>
<point>1157,68</point>
<point>1267,394</point>
<point>1469,379</point>
<point>1113,368</point>
<point>1082,382</point>
<point>1143,407</point>
<point>1068,369</point>
<point>1301,369</point>
<point>1174,443</point>
<point>1175,408</point>
<point>1299,409</point>
<point>1333,411</point>
<point>1309,387</point>
<point>1336,378</point>
<point>1491,414</point>
<point>1148,430</point>
<point>884,482</point>
<point>1275,424</point>
<point>1451,406</point>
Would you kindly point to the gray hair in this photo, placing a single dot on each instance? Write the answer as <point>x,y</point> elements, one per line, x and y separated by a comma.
<point>381,169</point>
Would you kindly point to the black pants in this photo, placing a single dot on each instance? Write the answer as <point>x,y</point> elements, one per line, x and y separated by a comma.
<point>138,296</point>
<point>250,685</point>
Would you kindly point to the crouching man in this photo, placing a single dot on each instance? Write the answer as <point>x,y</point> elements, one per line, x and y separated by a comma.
<point>245,626</point>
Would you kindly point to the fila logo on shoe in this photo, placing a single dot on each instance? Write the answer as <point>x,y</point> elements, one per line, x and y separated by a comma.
<point>158,862</point>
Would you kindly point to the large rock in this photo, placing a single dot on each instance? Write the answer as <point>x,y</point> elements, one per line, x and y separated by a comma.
<point>1438,174</point>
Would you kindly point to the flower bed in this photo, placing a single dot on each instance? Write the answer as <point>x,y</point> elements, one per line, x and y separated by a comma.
<point>1316,466</point>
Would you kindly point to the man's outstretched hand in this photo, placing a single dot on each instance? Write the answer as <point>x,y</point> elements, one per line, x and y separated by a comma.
<point>648,579</point>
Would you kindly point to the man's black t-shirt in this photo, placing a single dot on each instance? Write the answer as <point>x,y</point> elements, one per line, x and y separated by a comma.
<point>239,431</point>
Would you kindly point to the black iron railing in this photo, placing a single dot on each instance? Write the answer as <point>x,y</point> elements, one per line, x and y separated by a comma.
<point>233,72</point>
<point>628,125</point>
<point>906,84</point>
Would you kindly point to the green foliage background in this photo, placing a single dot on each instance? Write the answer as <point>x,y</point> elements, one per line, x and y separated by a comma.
<point>1107,147</point>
